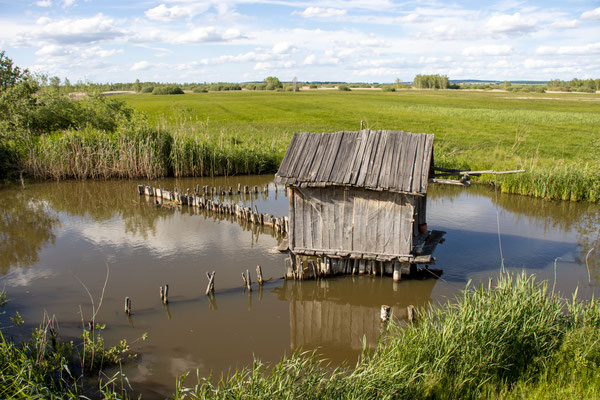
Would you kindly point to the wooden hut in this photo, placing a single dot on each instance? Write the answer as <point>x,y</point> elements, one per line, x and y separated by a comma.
<point>357,202</point>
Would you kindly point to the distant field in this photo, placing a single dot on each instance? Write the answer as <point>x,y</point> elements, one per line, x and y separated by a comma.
<point>507,128</point>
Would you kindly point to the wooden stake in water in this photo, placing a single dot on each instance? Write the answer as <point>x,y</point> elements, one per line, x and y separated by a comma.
<point>410,311</point>
<point>166,294</point>
<point>210,289</point>
<point>385,313</point>
<point>259,275</point>
<point>248,281</point>
<point>127,306</point>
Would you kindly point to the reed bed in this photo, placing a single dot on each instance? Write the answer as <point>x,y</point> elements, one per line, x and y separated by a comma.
<point>501,340</point>
<point>138,151</point>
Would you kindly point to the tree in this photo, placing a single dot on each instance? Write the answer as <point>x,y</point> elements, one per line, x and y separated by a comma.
<point>273,83</point>
<point>9,74</point>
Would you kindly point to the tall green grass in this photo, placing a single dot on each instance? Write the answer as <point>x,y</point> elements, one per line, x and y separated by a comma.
<point>138,151</point>
<point>502,340</point>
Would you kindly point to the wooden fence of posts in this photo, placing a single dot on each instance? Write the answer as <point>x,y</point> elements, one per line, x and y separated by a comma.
<point>279,224</point>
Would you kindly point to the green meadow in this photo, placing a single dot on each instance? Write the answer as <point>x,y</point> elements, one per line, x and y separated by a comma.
<point>555,137</point>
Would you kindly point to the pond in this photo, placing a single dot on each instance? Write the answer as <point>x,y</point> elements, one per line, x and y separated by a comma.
<point>60,240</point>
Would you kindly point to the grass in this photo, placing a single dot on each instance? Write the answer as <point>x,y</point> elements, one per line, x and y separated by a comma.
<point>555,137</point>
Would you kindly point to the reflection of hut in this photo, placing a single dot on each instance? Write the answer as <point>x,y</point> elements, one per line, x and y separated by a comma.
<point>341,313</point>
<point>357,201</point>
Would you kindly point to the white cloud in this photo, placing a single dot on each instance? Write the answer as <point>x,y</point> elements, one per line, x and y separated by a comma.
<point>206,35</point>
<point>409,19</point>
<point>283,47</point>
<point>592,15</point>
<point>566,24</point>
<point>591,48</point>
<point>68,3</point>
<point>487,50</point>
<point>318,12</point>
<point>511,24</point>
<point>71,31</point>
<point>164,13</point>
<point>310,59</point>
<point>43,3</point>
<point>140,66</point>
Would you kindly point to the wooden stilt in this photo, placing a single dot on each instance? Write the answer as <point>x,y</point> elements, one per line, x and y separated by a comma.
<point>259,275</point>
<point>385,313</point>
<point>210,289</point>
<point>127,306</point>
<point>166,294</point>
<point>410,312</point>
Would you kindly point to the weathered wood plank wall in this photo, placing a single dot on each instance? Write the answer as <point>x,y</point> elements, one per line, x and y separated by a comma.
<point>351,220</point>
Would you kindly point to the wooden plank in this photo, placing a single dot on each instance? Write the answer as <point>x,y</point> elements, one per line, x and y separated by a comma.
<point>326,155</point>
<point>369,157</point>
<point>319,157</point>
<point>299,220</point>
<point>338,215</point>
<point>426,163</point>
<point>283,167</point>
<point>326,210</point>
<point>317,217</point>
<point>309,155</point>
<point>297,159</point>
<point>307,220</point>
<point>386,163</point>
<point>357,156</point>
<point>346,222</point>
<point>415,178</point>
<point>371,221</point>
<point>377,165</point>
<point>336,140</point>
<point>408,160</point>
<point>292,218</point>
<point>407,232</point>
<point>359,222</point>
<point>340,166</point>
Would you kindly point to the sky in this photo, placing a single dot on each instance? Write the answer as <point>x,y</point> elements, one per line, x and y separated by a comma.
<point>326,40</point>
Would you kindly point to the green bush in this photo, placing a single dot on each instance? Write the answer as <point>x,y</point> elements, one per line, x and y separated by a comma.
<point>147,89</point>
<point>168,89</point>
<point>344,88</point>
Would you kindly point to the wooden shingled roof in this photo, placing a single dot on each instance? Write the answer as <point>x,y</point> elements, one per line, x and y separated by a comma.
<point>380,160</point>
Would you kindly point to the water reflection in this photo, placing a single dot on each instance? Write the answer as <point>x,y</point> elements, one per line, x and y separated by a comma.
<point>26,226</point>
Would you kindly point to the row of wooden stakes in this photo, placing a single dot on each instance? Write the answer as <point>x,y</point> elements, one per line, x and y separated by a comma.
<point>280,224</point>
<point>210,288</point>
<point>313,267</point>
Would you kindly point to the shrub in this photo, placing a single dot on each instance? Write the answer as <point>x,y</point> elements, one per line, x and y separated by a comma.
<point>147,89</point>
<point>313,86</point>
<point>168,89</point>
<point>344,88</point>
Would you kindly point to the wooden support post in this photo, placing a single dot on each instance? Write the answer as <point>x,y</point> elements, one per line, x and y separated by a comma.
<point>197,189</point>
<point>248,281</point>
<point>289,269</point>
<point>127,306</point>
<point>161,294</point>
<point>385,313</point>
<point>266,189</point>
<point>246,189</point>
<point>141,189</point>
<point>239,188</point>
<point>397,271</point>
<point>210,289</point>
<point>259,275</point>
<point>244,280</point>
<point>410,312</point>
<point>255,189</point>
<point>166,294</point>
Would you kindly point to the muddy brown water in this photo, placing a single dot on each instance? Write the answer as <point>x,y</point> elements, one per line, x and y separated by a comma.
<point>58,237</point>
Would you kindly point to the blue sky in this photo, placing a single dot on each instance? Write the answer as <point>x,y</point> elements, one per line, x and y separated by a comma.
<point>327,40</point>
